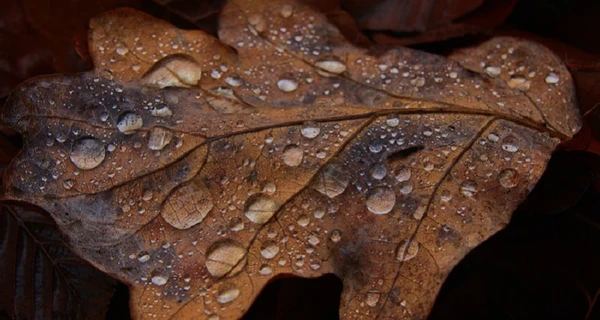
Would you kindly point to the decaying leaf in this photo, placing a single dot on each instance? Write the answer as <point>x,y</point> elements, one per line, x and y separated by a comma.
<point>196,173</point>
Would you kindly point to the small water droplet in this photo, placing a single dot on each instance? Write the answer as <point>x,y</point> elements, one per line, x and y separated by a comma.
<point>508,178</point>
<point>381,200</point>
<point>406,188</point>
<point>287,85</point>
<point>375,146</point>
<point>234,80</point>
<point>552,78</point>
<point>331,181</point>
<point>87,153</point>
<point>336,236</point>
<point>129,122</point>
<point>159,280</point>
<point>510,147</point>
<point>303,220</point>
<point>121,50</point>
<point>372,298</point>
<point>163,112</point>
<point>265,270</point>
<point>310,131</point>
<point>292,155</point>
<point>269,250</point>
<point>468,188</point>
<point>333,66</point>
<point>158,138</point>
<point>260,208</point>
<point>519,83</point>
<point>446,195</point>
<point>493,137</point>
<point>143,257</point>
<point>227,294</point>
<point>403,174</point>
<point>392,122</point>
<point>493,71</point>
<point>378,171</point>
<point>319,213</point>
<point>68,184</point>
<point>407,250</point>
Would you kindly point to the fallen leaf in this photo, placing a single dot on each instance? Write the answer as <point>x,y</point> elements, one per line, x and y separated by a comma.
<point>41,277</point>
<point>196,170</point>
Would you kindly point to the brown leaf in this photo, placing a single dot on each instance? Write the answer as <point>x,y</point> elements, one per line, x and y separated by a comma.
<point>41,277</point>
<point>196,173</point>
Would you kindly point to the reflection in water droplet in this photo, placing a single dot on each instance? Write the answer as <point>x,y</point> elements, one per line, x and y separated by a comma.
<point>310,131</point>
<point>287,85</point>
<point>407,250</point>
<point>87,153</point>
<point>158,138</point>
<point>292,155</point>
<point>269,249</point>
<point>468,188</point>
<point>331,181</point>
<point>508,178</point>
<point>336,236</point>
<point>228,294</point>
<point>223,256</point>
<point>381,200</point>
<point>260,208</point>
<point>129,122</point>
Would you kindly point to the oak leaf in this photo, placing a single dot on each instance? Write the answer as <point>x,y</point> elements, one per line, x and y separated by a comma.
<point>196,169</point>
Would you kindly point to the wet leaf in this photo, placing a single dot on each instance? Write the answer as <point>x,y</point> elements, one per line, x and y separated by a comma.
<point>41,277</point>
<point>197,169</point>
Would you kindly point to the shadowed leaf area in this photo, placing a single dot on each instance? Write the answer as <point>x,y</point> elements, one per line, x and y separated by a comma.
<point>200,170</point>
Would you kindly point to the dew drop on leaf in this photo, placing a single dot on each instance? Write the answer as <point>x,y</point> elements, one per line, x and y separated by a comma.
<point>87,153</point>
<point>260,208</point>
<point>468,188</point>
<point>508,178</point>
<point>129,122</point>
<point>381,200</point>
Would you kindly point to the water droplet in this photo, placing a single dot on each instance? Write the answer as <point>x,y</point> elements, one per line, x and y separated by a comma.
<point>159,138</point>
<point>468,188</point>
<point>234,80</point>
<point>287,85</point>
<point>163,112</point>
<point>406,188</point>
<point>223,256</point>
<point>269,188</point>
<point>372,298</point>
<point>319,213</point>
<point>331,181</point>
<point>313,240</point>
<point>228,294</point>
<point>159,280</point>
<point>269,249</point>
<point>510,147</point>
<point>147,196</point>
<point>378,171</point>
<point>310,131</point>
<point>303,220</point>
<point>552,78</point>
<point>493,71</point>
<point>508,178</point>
<point>333,66</point>
<point>407,250</point>
<point>129,122</point>
<point>403,174</point>
<point>446,195</point>
<point>265,270</point>
<point>493,137</point>
<point>68,184</point>
<point>292,155</point>
<point>519,83</point>
<point>121,50</point>
<point>429,166</point>
<point>286,10</point>
<point>336,236</point>
<point>375,146</point>
<point>258,22</point>
<point>392,122</point>
<point>87,153</point>
<point>260,208</point>
<point>143,257</point>
<point>381,200</point>
<point>173,71</point>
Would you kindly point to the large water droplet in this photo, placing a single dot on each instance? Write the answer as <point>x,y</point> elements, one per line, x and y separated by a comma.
<point>331,181</point>
<point>381,200</point>
<point>158,138</point>
<point>87,153</point>
<point>129,122</point>
<point>468,188</point>
<point>173,71</point>
<point>407,250</point>
<point>509,178</point>
<point>330,65</point>
<point>269,249</point>
<point>223,256</point>
<point>260,208</point>
<point>287,85</point>
<point>292,155</point>
<point>228,294</point>
<point>310,131</point>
